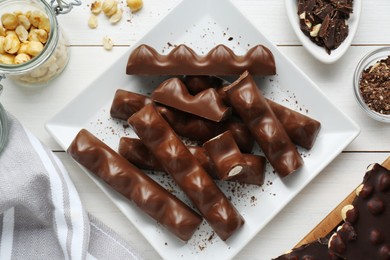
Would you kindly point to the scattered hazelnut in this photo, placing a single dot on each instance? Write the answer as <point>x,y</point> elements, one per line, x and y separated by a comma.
<point>116,17</point>
<point>108,5</point>
<point>107,43</point>
<point>93,21</point>
<point>96,7</point>
<point>135,5</point>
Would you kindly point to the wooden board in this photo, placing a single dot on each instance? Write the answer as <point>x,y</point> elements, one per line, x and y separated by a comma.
<point>333,219</point>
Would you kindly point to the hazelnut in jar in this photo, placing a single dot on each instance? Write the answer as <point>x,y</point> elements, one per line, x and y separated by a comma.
<point>33,50</point>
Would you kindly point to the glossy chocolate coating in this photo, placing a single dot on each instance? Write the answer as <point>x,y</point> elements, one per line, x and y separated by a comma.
<point>182,60</point>
<point>126,103</point>
<point>133,150</point>
<point>225,155</point>
<point>207,103</point>
<point>131,182</point>
<point>196,128</point>
<point>367,236</point>
<point>196,84</point>
<point>254,171</point>
<point>138,154</point>
<point>268,132</point>
<point>301,129</point>
<point>317,250</point>
<point>177,160</point>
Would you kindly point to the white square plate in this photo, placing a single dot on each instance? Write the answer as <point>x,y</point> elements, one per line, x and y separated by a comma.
<point>201,25</point>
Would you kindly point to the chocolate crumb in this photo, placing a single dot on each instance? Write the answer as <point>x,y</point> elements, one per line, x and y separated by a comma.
<point>230,38</point>
<point>375,86</point>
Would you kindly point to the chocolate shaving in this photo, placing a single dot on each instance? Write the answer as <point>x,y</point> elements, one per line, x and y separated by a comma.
<point>375,86</point>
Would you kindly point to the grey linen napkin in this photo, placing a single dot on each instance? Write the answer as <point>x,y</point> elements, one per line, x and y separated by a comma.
<point>41,215</point>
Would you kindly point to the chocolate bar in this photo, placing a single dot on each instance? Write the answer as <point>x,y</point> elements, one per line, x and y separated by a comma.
<point>125,103</point>
<point>138,154</point>
<point>207,103</point>
<point>182,60</point>
<point>176,159</point>
<point>268,132</point>
<point>365,234</point>
<point>225,155</point>
<point>301,129</point>
<point>131,182</point>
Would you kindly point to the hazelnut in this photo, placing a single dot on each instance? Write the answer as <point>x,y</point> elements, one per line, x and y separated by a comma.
<point>11,44</point>
<point>96,7</point>
<point>9,21</point>
<point>107,43</point>
<point>135,5</point>
<point>21,58</point>
<point>93,21</point>
<point>116,17</point>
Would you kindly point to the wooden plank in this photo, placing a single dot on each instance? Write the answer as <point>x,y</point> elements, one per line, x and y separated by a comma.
<point>333,219</point>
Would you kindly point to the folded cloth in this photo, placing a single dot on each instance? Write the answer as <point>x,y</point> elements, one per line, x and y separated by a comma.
<point>41,214</point>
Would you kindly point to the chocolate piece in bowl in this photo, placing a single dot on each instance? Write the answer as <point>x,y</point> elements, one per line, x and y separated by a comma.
<point>131,182</point>
<point>138,154</point>
<point>207,103</point>
<point>325,21</point>
<point>267,130</point>
<point>366,231</point>
<point>182,60</point>
<point>187,172</point>
<point>126,103</point>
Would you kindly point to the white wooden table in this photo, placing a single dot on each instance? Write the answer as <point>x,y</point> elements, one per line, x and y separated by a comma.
<point>88,59</point>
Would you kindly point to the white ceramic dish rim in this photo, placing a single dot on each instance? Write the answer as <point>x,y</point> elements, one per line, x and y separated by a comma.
<point>319,52</point>
<point>333,138</point>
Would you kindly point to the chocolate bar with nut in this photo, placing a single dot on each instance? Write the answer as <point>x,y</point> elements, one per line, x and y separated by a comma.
<point>132,183</point>
<point>138,154</point>
<point>365,231</point>
<point>182,60</point>
<point>255,112</point>
<point>177,161</point>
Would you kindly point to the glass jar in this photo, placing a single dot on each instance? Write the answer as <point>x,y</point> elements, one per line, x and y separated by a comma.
<point>3,125</point>
<point>53,58</point>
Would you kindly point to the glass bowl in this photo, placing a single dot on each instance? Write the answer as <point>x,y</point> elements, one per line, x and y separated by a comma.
<point>366,62</point>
